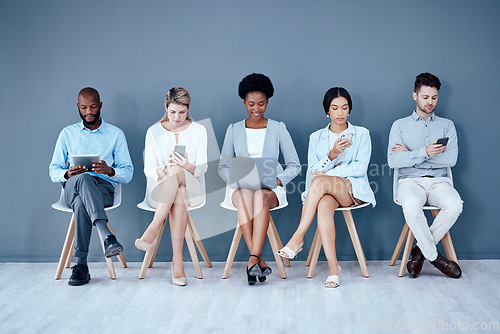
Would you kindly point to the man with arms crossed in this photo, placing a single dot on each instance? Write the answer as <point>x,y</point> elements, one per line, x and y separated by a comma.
<point>423,178</point>
<point>88,192</point>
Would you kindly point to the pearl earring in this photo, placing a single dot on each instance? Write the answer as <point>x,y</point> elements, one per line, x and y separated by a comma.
<point>328,115</point>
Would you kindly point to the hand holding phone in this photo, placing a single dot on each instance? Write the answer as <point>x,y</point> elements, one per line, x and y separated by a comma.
<point>346,135</point>
<point>181,149</point>
<point>443,141</point>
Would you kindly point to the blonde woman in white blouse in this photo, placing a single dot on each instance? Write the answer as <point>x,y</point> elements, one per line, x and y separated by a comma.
<point>174,182</point>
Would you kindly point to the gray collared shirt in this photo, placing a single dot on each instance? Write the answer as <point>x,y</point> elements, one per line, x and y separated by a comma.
<point>416,134</point>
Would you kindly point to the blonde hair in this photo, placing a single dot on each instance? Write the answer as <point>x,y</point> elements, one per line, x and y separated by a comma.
<point>176,95</point>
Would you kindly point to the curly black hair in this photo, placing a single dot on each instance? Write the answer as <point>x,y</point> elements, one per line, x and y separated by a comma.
<point>255,82</point>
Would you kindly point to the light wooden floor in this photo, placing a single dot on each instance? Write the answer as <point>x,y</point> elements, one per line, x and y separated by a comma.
<point>31,301</point>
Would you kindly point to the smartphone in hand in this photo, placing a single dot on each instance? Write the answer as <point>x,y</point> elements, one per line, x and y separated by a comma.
<point>181,149</point>
<point>346,135</point>
<point>442,141</point>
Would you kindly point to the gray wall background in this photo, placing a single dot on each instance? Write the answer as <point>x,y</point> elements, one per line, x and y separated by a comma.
<point>134,51</point>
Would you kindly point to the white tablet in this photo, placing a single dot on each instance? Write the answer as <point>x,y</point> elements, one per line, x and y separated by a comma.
<point>84,160</point>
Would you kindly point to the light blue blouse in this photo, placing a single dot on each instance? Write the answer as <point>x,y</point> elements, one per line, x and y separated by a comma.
<point>353,167</point>
<point>277,138</point>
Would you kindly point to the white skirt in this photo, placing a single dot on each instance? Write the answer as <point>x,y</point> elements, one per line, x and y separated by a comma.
<point>279,191</point>
<point>195,188</point>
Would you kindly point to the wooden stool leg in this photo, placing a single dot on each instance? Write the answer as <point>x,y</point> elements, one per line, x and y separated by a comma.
<point>399,245</point>
<point>153,255</point>
<point>356,243</point>
<point>66,247</point>
<point>315,249</point>
<point>70,253</point>
<point>447,243</point>
<point>198,242</point>
<point>309,256</point>
<point>122,260</point>
<point>192,251</point>
<point>280,244</point>
<point>435,213</point>
<point>232,251</point>
<point>145,264</point>
<point>406,253</point>
<point>109,262</point>
<point>120,256</point>
<point>274,246</point>
<point>448,247</point>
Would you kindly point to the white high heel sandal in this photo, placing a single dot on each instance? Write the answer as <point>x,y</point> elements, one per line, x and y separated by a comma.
<point>333,281</point>
<point>288,253</point>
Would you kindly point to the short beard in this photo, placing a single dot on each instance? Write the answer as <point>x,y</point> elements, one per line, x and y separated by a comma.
<point>421,109</point>
<point>96,119</point>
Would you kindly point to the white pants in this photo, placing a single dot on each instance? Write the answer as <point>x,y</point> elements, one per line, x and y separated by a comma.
<point>413,194</point>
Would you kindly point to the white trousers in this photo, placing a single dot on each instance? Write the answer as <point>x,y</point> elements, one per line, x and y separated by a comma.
<point>413,194</point>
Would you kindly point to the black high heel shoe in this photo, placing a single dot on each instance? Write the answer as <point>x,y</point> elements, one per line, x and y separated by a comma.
<point>255,270</point>
<point>251,279</point>
<point>266,271</point>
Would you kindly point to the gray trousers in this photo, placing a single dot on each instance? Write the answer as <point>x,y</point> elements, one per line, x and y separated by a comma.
<point>87,195</point>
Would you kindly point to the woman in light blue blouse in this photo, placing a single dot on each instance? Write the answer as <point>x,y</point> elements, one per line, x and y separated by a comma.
<point>338,159</point>
<point>257,137</point>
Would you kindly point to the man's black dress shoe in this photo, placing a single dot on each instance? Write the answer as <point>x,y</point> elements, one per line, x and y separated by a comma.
<point>447,267</point>
<point>80,274</point>
<point>112,246</point>
<point>416,262</point>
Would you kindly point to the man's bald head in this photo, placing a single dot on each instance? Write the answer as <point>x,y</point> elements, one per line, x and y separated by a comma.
<point>90,92</point>
<point>89,105</point>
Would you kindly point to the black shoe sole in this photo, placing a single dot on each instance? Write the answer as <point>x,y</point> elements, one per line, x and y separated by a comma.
<point>79,282</point>
<point>113,251</point>
<point>252,279</point>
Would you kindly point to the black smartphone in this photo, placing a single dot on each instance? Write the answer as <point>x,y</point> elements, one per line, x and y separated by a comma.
<point>442,141</point>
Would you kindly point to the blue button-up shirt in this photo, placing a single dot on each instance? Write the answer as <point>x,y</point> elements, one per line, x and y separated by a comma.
<point>108,141</point>
<point>416,134</point>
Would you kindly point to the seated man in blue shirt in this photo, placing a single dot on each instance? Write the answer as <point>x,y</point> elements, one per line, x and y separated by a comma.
<point>423,178</point>
<point>88,192</point>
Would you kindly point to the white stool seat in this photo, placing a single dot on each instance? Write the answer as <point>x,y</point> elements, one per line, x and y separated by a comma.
<point>227,203</point>
<point>61,204</point>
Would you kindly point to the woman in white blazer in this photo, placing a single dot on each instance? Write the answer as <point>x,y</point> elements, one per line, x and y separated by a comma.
<point>258,137</point>
<point>175,181</point>
<point>338,159</point>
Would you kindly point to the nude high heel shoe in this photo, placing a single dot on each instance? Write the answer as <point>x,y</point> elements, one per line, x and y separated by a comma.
<point>181,281</point>
<point>144,246</point>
